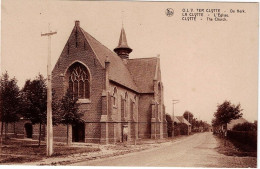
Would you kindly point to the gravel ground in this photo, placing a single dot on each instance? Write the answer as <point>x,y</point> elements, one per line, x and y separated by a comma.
<point>198,150</point>
<point>106,151</point>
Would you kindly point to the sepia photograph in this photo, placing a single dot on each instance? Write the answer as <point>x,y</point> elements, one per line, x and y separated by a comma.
<point>129,83</point>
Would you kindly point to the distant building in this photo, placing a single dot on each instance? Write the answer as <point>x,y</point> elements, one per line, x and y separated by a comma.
<point>185,126</point>
<point>176,120</point>
<point>209,128</point>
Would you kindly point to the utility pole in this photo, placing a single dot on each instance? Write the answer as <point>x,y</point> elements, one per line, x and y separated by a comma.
<point>1,138</point>
<point>189,122</point>
<point>49,143</point>
<point>173,102</point>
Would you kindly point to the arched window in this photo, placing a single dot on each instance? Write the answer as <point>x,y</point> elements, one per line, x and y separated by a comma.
<point>135,98</point>
<point>131,109</point>
<point>159,91</point>
<point>126,95</point>
<point>122,107</point>
<point>159,101</point>
<point>115,96</point>
<point>79,81</point>
<point>126,104</point>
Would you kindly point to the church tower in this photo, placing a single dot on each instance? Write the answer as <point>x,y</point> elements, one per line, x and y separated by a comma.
<point>123,50</point>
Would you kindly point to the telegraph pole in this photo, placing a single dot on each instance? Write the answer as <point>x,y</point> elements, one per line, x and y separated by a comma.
<point>189,122</point>
<point>173,102</point>
<point>49,143</point>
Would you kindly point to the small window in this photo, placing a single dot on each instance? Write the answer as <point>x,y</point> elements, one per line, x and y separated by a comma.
<point>159,111</point>
<point>131,109</point>
<point>126,106</point>
<point>159,100</point>
<point>115,97</point>
<point>122,107</point>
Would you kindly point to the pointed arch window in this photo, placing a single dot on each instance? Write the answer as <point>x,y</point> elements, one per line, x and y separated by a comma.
<point>126,106</point>
<point>115,97</point>
<point>131,109</point>
<point>159,101</point>
<point>79,81</point>
<point>122,107</point>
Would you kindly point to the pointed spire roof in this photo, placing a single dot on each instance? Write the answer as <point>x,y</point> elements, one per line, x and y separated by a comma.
<point>122,41</point>
<point>122,45</point>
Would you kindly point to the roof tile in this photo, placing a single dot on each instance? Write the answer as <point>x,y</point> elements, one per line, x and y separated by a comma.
<point>143,71</point>
<point>118,70</point>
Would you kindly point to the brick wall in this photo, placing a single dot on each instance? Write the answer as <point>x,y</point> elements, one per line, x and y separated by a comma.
<point>77,49</point>
<point>121,113</point>
<point>60,133</point>
<point>144,116</point>
<point>9,129</point>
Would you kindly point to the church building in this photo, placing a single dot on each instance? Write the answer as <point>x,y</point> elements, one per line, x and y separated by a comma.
<point>121,97</point>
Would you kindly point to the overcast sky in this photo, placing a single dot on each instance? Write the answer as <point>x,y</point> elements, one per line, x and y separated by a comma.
<point>202,63</point>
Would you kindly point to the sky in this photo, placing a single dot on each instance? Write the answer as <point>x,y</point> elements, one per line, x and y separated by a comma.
<point>202,63</point>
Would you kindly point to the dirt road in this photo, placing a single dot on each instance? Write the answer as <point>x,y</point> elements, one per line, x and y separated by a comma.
<point>194,151</point>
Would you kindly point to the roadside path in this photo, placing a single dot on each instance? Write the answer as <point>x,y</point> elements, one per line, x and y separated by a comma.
<point>194,151</point>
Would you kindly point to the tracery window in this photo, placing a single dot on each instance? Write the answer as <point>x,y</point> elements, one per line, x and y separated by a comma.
<point>79,81</point>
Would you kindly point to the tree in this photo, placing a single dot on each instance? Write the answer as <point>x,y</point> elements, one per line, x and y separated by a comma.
<point>169,125</point>
<point>214,122</point>
<point>35,101</point>
<point>201,123</point>
<point>224,114</point>
<point>34,105</point>
<point>188,116</point>
<point>205,126</point>
<point>9,101</point>
<point>195,124</point>
<point>69,111</point>
<point>227,112</point>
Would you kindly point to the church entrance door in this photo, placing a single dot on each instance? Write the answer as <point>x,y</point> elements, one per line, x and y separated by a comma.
<point>78,132</point>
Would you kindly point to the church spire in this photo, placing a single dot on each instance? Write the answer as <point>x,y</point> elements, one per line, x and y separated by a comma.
<point>123,49</point>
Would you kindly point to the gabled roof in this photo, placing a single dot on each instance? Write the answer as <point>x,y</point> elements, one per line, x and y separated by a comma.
<point>143,71</point>
<point>183,120</point>
<point>118,71</point>
<point>176,120</point>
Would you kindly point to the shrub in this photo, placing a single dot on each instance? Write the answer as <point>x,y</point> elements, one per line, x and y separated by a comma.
<point>245,127</point>
<point>169,125</point>
<point>183,129</point>
<point>176,130</point>
<point>245,137</point>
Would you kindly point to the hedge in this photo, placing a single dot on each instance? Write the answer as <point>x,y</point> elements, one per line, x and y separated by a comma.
<point>245,137</point>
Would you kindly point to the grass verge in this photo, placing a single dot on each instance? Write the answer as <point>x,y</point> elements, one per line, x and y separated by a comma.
<point>234,148</point>
<point>21,151</point>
